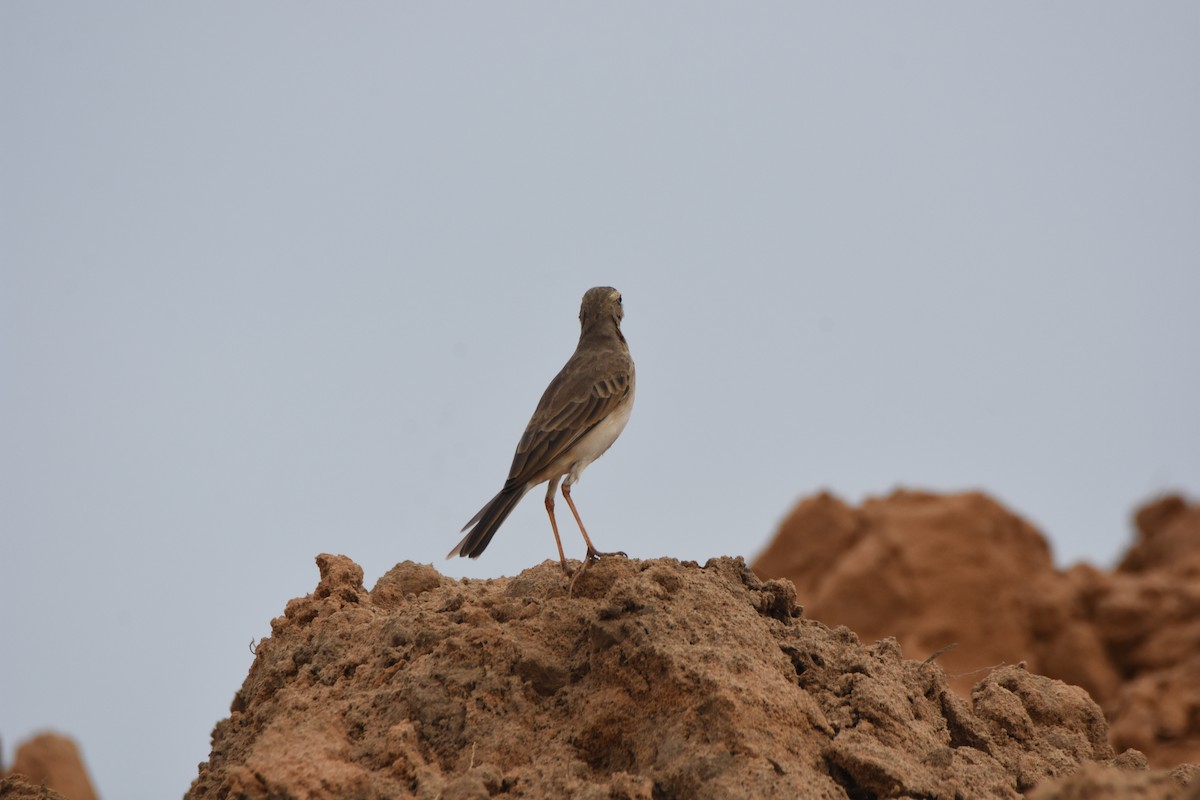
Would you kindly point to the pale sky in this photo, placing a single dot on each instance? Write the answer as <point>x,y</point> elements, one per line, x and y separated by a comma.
<point>279,279</point>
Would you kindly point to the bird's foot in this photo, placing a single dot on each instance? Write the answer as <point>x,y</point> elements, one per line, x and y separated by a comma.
<point>596,555</point>
<point>591,558</point>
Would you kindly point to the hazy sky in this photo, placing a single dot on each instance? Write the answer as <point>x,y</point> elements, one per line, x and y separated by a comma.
<point>279,279</point>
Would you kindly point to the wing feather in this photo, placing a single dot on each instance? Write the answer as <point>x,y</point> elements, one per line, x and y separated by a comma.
<point>571,406</point>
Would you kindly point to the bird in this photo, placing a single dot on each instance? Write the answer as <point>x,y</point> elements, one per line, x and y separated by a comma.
<point>580,415</point>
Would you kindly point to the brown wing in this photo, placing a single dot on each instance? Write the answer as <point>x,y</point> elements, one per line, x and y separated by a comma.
<point>574,403</point>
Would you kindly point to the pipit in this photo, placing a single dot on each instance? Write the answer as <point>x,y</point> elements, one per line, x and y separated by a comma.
<point>580,415</point>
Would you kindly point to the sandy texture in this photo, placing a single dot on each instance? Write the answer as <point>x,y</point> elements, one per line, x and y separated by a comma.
<point>933,570</point>
<point>1116,781</point>
<point>655,680</point>
<point>51,761</point>
<point>15,787</point>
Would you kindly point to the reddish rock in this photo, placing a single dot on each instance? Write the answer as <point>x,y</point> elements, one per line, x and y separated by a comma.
<point>652,679</point>
<point>1109,782</point>
<point>15,787</point>
<point>51,761</point>
<point>932,570</point>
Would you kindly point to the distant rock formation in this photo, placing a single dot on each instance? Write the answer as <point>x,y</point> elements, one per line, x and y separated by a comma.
<point>934,570</point>
<point>49,767</point>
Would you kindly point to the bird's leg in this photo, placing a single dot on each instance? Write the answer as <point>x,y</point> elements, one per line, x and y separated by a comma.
<point>562,557</point>
<point>592,553</point>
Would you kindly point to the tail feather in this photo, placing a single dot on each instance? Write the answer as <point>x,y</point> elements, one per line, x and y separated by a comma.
<point>487,522</point>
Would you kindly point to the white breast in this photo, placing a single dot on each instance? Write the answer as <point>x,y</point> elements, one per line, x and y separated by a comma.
<point>598,440</point>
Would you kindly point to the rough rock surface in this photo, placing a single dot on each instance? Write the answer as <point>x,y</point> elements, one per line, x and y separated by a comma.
<point>1109,782</point>
<point>51,761</point>
<point>651,680</point>
<point>16,787</point>
<point>934,570</point>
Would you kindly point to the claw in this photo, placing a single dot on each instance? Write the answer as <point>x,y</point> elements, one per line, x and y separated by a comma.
<point>596,555</point>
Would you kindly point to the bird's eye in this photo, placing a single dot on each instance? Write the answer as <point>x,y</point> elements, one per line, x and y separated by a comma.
<point>619,301</point>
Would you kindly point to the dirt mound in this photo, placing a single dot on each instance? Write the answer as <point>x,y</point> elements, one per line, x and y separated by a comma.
<point>51,761</point>
<point>654,679</point>
<point>17,788</point>
<point>933,570</point>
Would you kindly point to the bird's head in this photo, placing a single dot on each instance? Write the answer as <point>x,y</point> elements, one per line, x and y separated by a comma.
<point>601,303</point>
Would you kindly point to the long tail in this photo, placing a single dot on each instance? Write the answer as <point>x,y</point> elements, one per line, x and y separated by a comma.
<point>487,522</point>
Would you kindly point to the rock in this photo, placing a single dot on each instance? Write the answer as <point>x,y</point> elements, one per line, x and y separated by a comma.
<point>1107,782</point>
<point>651,679</point>
<point>52,761</point>
<point>940,570</point>
<point>15,787</point>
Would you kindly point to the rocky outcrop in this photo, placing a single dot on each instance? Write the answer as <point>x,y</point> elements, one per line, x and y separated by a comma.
<point>941,570</point>
<point>48,766</point>
<point>647,679</point>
